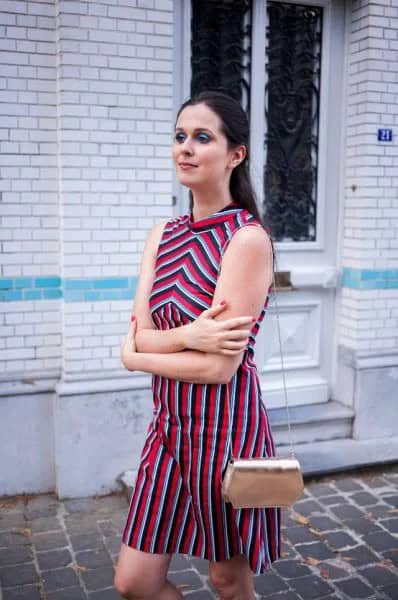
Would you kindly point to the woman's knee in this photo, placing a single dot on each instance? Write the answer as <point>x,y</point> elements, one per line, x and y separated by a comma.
<point>129,581</point>
<point>138,587</point>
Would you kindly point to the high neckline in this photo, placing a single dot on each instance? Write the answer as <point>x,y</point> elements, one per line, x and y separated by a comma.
<point>212,219</point>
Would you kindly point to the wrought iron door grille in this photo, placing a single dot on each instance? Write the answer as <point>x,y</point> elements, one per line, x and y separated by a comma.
<point>292,119</point>
<point>220,48</point>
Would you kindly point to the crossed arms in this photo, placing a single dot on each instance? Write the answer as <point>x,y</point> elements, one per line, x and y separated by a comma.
<point>210,348</point>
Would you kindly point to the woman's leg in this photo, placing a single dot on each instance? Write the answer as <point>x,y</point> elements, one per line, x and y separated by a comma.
<point>233,578</point>
<point>140,575</point>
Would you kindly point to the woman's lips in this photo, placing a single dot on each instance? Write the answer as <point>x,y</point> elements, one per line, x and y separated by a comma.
<point>186,166</point>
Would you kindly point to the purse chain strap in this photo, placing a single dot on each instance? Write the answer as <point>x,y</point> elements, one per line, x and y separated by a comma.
<point>283,371</point>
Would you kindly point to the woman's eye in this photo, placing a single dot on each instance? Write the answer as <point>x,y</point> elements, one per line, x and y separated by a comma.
<point>203,137</point>
<point>179,137</point>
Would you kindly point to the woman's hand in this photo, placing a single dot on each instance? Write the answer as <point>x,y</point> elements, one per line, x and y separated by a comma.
<point>128,346</point>
<point>218,337</point>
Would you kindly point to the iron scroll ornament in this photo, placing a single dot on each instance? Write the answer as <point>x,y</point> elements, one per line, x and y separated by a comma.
<point>221,49</point>
<point>292,119</point>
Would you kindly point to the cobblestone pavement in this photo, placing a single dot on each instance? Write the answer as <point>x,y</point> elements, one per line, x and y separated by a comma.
<point>339,541</point>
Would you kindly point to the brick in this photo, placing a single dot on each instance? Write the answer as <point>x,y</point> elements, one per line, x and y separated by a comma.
<point>310,587</point>
<point>28,592</point>
<point>54,559</point>
<point>15,555</point>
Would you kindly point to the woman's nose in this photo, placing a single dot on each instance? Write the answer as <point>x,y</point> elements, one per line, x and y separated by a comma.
<point>186,146</point>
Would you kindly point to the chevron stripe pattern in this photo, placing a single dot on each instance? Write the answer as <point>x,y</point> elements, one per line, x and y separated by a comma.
<point>176,505</point>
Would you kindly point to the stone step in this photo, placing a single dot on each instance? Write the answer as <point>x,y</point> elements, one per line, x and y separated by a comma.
<point>311,423</point>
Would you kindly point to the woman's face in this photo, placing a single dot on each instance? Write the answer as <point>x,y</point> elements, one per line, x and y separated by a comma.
<point>200,150</point>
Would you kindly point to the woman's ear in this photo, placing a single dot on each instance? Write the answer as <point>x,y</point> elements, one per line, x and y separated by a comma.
<point>238,156</point>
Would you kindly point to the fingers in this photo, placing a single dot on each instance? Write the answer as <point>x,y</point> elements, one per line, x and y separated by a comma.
<point>213,311</point>
<point>237,322</point>
<point>236,335</point>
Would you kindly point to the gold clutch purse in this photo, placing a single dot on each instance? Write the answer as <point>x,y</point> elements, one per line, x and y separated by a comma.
<point>262,482</point>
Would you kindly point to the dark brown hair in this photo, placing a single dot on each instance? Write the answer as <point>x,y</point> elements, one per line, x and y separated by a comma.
<point>235,127</point>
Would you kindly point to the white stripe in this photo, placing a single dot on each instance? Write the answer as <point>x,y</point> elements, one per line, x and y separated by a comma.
<point>165,485</point>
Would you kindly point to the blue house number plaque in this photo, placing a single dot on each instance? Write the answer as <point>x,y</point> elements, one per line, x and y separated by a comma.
<point>384,135</point>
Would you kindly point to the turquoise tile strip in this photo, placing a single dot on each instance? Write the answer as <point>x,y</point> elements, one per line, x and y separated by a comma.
<point>123,288</point>
<point>369,279</point>
<point>72,290</point>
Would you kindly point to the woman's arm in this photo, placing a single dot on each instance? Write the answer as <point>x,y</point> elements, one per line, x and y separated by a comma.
<point>245,277</point>
<point>148,338</point>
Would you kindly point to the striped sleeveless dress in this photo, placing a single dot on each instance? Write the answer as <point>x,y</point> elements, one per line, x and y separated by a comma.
<point>176,505</point>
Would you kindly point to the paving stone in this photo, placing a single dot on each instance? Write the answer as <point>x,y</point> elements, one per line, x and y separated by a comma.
<point>189,579</point>
<point>333,500</point>
<point>375,481</point>
<point>299,534</point>
<point>54,559</point>
<point>321,489</point>
<point>347,484</point>
<point>392,500</point>
<point>28,592</point>
<point>339,539</point>
<point>86,541</point>
<point>44,505</point>
<point>391,591</point>
<point>98,579</point>
<point>72,593</point>
<point>200,564</point>
<point>11,521</point>
<point>49,541</point>
<point>15,555</point>
<point>307,507</point>
<point>201,595</point>
<point>80,523</point>
<point>347,511</point>
<point>44,524</point>
<point>269,583</point>
<point>380,540</point>
<point>80,505</point>
<point>287,549</point>
<point>14,538</point>
<point>311,586</point>
<point>330,570</point>
<point>392,555</point>
<point>109,594</point>
<point>362,525</point>
<point>291,568</point>
<point>18,574</point>
<point>390,524</point>
<point>179,562</point>
<point>111,503</point>
<point>378,575</point>
<point>108,528</point>
<point>93,558</point>
<point>324,523</point>
<point>287,595</point>
<point>354,588</point>
<point>379,511</point>
<point>59,578</point>
<point>316,550</point>
<point>363,498</point>
<point>360,555</point>
<point>113,544</point>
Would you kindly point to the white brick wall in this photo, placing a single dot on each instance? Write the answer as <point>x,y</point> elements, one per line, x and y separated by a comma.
<point>368,318</point>
<point>85,144</point>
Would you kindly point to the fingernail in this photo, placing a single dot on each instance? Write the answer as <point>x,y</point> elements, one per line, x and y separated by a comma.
<point>132,318</point>
<point>223,302</point>
<point>254,320</point>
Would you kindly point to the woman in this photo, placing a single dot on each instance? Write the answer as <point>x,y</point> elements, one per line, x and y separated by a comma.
<point>202,294</point>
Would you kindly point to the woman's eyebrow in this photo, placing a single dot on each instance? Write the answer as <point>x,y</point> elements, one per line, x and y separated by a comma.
<point>196,129</point>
